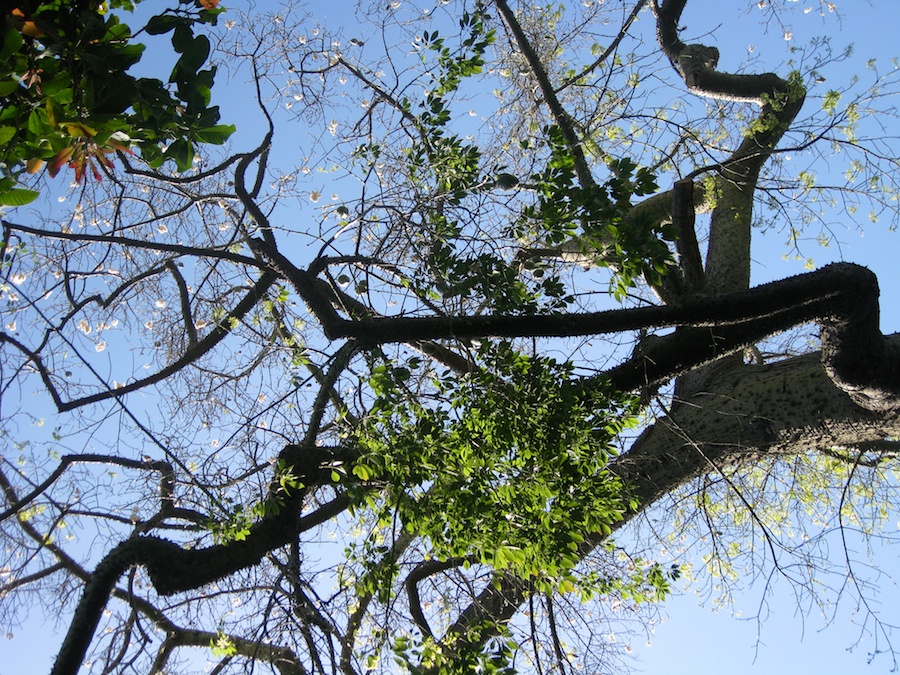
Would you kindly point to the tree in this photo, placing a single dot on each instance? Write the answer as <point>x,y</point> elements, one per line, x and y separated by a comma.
<point>418,366</point>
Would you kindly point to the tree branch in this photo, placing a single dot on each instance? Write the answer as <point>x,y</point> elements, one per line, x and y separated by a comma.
<point>559,114</point>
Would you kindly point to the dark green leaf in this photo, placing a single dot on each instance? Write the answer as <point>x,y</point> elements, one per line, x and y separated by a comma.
<point>163,23</point>
<point>182,37</point>
<point>7,87</point>
<point>12,43</point>
<point>194,55</point>
<point>182,152</point>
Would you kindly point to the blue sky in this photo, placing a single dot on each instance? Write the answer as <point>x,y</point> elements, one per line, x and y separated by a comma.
<point>694,639</point>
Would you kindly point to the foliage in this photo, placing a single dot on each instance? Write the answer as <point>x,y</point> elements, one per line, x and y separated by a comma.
<point>67,96</point>
<point>597,216</point>
<point>513,474</point>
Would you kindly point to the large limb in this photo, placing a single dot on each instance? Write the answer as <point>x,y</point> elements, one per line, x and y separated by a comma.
<point>842,297</point>
<point>787,408</point>
<point>728,258</point>
<point>858,359</point>
<point>728,254</point>
<point>173,569</point>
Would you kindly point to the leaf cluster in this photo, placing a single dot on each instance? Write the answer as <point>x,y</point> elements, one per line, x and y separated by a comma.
<point>598,215</point>
<point>67,96</point>
<point>512,473</point>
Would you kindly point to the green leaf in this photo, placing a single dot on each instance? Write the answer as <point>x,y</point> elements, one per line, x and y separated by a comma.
<point>7,87</point>
<point>162,23</point>
<point>12,42</point>
<point>17,197</point>
<point>6,133</point>
<point>195,55</point>
<point>830,102</point>
<point>183,37</point>
<point>35,124</point>
<point>215,135</point>
<point>182,152</point>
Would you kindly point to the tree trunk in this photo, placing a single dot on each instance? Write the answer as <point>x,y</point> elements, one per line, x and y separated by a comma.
<point>744,413</point>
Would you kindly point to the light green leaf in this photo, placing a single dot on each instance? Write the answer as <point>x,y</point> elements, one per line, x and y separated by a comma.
<point>17,197</point>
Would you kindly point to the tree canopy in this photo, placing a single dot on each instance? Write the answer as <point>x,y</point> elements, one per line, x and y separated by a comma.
<point>443,368</point>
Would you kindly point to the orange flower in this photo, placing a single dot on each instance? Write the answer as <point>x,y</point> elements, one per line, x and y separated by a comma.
<point>81,155</point>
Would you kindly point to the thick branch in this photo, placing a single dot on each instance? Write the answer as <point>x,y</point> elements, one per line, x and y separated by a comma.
<point>283,658</point>
<point>786,408</point>
<point>422,571</point>
<point>173,569</point>
<point>845,294</point>
<point>683,217</point>
<point>728,259</point>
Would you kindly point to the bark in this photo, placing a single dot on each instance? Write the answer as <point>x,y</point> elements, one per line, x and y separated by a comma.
<point>786,408</point>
